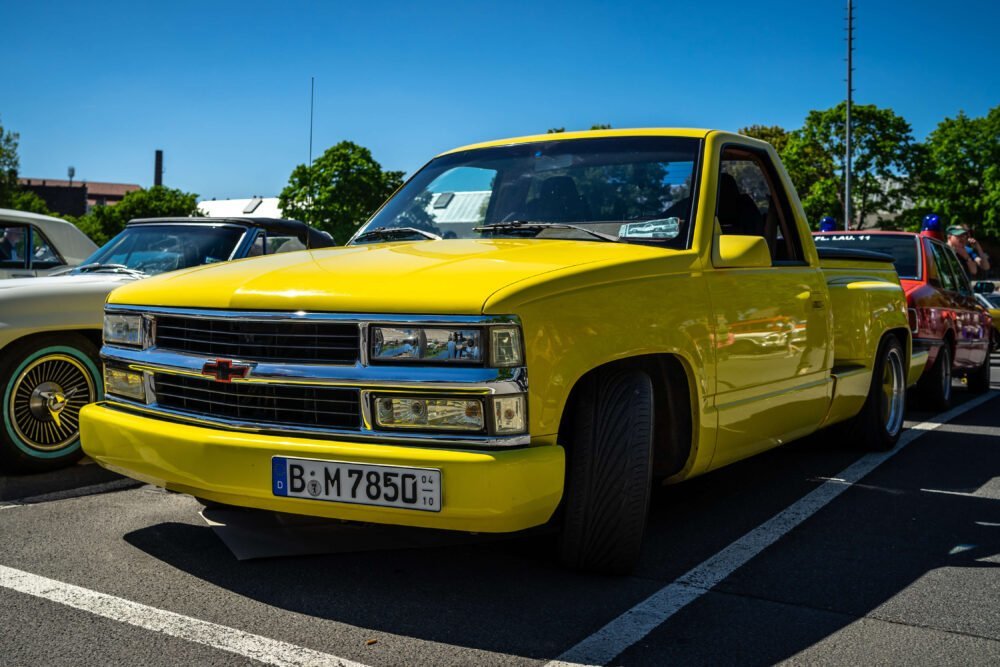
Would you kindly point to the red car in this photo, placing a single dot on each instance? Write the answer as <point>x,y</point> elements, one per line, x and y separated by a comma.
<point>945,317</point>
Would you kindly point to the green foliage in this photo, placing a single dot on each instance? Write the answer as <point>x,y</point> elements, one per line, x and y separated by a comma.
<point>960,177</point>
<point>103,222</point>
<point>884,157</point>
<point>26,200</point>
<point>9,165</point>
<point>558,130</point>
<point>775,135</point>
<point>340,191</point>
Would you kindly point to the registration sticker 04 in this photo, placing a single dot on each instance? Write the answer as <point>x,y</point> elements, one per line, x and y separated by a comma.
<point>358,483</point>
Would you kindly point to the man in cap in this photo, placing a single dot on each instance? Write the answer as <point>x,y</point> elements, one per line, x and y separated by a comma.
<point>968,250</point>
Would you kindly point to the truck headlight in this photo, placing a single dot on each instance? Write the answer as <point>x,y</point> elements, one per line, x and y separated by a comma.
<point>425,344</point>
<point>505,347</point>
<point>448,414</point>
<point>123,329</point>
<point>508,414</point>
<point>124,382</point>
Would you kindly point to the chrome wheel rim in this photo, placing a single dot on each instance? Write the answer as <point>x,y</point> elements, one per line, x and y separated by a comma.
<point>45,401</point>
<point>893,392</point>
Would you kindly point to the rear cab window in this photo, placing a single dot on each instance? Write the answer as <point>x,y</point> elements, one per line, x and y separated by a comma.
<point>903,249</point>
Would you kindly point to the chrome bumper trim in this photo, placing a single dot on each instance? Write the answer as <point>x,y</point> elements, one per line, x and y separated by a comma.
<point>365,435</point>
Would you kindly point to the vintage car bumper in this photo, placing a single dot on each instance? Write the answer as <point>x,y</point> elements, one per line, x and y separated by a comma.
<point>482,491</point>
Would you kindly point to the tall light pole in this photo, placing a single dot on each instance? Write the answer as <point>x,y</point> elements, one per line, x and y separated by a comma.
<point>847,125</point>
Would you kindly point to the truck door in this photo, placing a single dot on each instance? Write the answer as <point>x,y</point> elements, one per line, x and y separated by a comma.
<point>772,324</point>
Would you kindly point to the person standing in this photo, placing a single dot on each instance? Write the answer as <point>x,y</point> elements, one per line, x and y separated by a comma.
<point>976,261</point>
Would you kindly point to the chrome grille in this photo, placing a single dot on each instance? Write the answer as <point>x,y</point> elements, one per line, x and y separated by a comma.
<point>265,403</point>
<point>279,340</point>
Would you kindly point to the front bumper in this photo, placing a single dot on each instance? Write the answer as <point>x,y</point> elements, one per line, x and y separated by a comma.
<point>482,491</point>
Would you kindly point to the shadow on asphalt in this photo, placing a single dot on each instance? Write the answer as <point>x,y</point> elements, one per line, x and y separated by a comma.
<point>509,596</point>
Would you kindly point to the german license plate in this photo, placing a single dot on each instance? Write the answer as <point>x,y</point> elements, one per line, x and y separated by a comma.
<point>358,483</point>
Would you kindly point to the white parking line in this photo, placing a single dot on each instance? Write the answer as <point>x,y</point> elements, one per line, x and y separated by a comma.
<point>622,632</point>
<point>254,647</point>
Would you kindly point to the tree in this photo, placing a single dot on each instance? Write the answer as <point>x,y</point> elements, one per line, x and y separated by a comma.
<point>26,200</point>
<point>884,157</point>
<point>103,222</point>
<point>775,135</point>
<point>9,164</point>
<point>341,190</point>
<point>961,176</point>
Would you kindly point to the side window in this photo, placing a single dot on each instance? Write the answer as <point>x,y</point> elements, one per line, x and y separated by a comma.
<point>961,279</point>
<point>43,254</point>
<point>751,202</point>
<point>933,277</point>
<point>13,251</point>
<point>944,272</point>
<point>257,249</point>
<point>283,244</point>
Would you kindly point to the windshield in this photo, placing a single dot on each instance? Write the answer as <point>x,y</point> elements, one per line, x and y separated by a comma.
<point>903,248</point>
<point>631,188</point>
<point>154,249</point>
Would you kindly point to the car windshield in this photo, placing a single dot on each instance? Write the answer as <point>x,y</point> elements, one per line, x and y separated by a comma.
<point>635,189</point>
<point>993,298</point>
<point>157,248</point>
<point>902,247</point>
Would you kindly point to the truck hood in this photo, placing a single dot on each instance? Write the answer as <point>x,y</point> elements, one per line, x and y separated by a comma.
<point>433,277</point>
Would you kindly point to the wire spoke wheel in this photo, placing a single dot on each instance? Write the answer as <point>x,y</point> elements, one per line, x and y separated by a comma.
<point>45,401</point>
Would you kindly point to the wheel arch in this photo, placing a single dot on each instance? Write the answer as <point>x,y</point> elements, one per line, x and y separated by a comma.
<point>674,402</point>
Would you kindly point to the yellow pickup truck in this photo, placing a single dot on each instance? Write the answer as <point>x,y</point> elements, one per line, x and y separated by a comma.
<point>531,332</point>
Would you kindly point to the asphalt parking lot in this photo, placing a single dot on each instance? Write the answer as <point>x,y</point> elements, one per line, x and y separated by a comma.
<point>811,553</point>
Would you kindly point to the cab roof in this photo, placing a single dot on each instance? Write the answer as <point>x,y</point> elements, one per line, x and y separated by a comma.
<point>589,134</point>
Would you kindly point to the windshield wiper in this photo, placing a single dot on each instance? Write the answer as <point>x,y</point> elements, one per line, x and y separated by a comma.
<point>529,225</point>
<point>97,267</point>
<point>391,232</point>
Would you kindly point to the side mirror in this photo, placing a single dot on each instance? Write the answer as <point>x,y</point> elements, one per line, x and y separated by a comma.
<point>983,287</point>
<point>741,252</point>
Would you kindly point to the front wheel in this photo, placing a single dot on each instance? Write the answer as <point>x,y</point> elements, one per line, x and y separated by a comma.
<point>45,382</point>
<point>609,473</point>
<point>878,425</point>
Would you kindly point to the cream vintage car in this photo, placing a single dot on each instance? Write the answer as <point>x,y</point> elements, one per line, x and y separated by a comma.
<point>50,328</point>
<point>39,245</point>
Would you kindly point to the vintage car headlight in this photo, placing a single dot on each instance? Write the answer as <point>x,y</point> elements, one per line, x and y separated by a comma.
<point>448,414</point>
<point>434,344</point>
<point>123,329</point>
<point>124,382</point>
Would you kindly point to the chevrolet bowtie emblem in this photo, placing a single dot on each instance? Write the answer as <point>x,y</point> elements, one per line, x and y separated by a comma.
<point>224,370</point>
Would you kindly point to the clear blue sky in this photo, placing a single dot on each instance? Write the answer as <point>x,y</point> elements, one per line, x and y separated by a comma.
<point>223,87</point>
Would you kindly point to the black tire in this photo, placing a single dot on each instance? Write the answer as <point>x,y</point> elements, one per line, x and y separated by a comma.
<point>979,379</point>
<point>878,426</point>
<point>44,381</point>
<point>934,389</point>
<point>608,473</point>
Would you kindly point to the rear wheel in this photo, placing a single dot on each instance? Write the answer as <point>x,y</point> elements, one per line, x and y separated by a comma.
<point>45,381</point>
<point>878,425</point>
<point>935,387</point>
<point>608,475</point>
